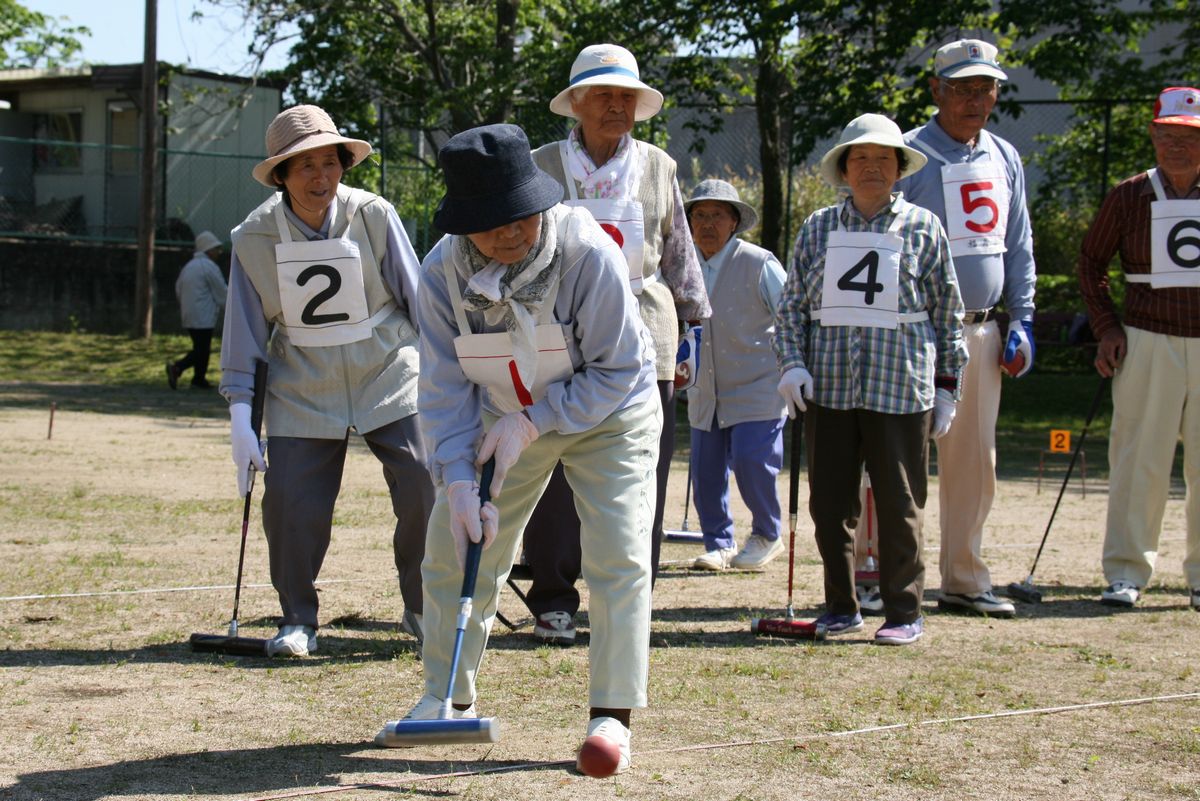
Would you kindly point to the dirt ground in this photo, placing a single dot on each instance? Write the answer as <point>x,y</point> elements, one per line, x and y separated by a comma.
<point>124,530</point>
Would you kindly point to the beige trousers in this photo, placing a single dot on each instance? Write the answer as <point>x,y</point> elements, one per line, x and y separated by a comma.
<point>967,465</point>
<point>1156,400</point>
<point>611,470</point>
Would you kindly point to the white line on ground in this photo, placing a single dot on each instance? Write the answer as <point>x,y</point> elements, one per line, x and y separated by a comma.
<point>1010,713</point>
<point>103,593</point>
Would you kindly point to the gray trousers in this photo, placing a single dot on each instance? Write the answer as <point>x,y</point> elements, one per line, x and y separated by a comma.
<point>302,482</point>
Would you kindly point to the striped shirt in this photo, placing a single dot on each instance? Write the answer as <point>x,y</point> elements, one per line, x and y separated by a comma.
<point>1123,226</point>
<point>879,369</point>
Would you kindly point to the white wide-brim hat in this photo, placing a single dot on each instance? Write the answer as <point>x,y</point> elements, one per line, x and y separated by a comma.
<point>724,192</point>
<point>608,65</point>
<point>206,241</point>
<point>298,129</point>
<point>869,129</point>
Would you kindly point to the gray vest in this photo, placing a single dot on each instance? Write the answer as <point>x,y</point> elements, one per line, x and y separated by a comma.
<point>738,375</point>
<point>323,392</point>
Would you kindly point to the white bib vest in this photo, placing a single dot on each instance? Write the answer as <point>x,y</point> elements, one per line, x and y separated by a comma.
<point>487,359</point>
<point>1174,240</point>
<point>861,282</point>
<point>321,290</point>
<point>622,219</point>
<point>977,196</point>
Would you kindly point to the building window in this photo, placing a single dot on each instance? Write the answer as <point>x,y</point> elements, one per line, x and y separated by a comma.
<point>58,129</point>
<point>122,135</point>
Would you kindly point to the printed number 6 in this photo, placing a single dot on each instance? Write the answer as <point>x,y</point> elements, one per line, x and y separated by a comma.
<point>1176,243</point>
<point>970,204</point>
<point>309,316</point>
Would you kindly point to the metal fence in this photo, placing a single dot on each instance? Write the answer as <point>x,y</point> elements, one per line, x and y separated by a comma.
<point>88,191</point>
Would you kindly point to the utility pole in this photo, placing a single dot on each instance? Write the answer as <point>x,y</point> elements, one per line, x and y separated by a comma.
<point>148,202</point>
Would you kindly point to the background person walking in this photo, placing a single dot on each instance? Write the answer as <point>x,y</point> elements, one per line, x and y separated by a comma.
<point>200,290</point>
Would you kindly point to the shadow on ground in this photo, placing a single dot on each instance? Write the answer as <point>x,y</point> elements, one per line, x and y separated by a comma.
<point>241,772</point>
<point>105,399</point>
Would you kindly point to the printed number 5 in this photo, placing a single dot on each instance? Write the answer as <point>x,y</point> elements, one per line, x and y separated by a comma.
<point>972,203</point>
<point>309,316</point>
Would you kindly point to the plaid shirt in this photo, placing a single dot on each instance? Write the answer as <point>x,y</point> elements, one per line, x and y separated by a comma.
<point>880,369</point>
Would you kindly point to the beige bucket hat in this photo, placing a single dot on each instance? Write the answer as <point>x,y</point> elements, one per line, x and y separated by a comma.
<point>869,129</point>
<point>608,65</point>
<point>298,129</point>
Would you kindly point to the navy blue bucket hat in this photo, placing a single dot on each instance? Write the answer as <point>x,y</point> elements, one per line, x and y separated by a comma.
<point>491,180</point>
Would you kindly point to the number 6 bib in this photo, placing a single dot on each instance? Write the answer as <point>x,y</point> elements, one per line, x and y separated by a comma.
<point>1174,240</point>
<point>321,289</point>
<point>860,286</point>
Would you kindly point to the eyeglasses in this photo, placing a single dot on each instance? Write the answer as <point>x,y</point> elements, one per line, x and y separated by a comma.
<point>969,90</point>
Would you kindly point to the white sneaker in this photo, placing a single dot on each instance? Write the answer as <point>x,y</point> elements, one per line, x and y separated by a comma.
<point>870,601</point>
<point>757,552</point>
<point>1120,593</point>
<point>411,623</point>
<point>428,708</point>
<point>293,641</point>
<point>718,559</point>
<point>555,628</point>
<point>612,730</point>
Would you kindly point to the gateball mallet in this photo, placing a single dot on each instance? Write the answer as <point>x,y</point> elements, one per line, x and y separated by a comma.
<point>446,729</point>
<point>232,643</point>
<point>789,626</point>
<point>1024,590</point>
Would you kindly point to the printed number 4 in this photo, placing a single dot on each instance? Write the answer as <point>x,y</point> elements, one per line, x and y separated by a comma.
<point>870,263</point>
<point>972,203</point>
<point>309,316</point>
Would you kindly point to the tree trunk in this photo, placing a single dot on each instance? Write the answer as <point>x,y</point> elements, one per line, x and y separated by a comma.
<point>143,323</point>
<point>770,94</point>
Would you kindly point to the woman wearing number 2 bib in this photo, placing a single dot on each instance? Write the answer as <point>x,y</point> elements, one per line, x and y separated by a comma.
<point>322,287</point>
<point>869,341</point>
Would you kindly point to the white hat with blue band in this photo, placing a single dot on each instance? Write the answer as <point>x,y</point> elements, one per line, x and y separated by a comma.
<point>608,65</point>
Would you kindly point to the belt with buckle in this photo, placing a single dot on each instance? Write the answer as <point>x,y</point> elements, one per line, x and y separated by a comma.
<point>978,317</point>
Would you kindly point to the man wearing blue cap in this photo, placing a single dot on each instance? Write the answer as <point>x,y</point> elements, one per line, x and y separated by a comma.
<point>975,183</point>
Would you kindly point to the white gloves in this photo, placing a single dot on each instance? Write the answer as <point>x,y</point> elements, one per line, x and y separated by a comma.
<point>943,413</point>
<point>1017,358</point>
<point>511,434</point>
<point>470,520</point>
<point>247,450</point>
<point>796,386</point>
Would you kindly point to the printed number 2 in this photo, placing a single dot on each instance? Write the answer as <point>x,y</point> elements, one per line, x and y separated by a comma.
<point>972,203</point>
<point>309,316</point>
<point>1176,243</point>
<point>870,263</point>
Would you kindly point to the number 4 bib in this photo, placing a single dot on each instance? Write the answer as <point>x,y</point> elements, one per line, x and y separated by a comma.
<point>976,195</point>
<point>860,286</point>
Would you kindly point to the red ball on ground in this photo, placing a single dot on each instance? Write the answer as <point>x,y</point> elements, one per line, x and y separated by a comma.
<point>598,757</point>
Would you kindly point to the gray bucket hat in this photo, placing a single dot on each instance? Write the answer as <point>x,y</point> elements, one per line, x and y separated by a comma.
<point>716,189</point>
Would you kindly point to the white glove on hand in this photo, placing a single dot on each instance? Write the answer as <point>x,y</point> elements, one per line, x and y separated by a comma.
<point>511,434</point>
<point>943,413</point>
<point>469,520</point>
<point>247,450</point>
<point>796,386</point>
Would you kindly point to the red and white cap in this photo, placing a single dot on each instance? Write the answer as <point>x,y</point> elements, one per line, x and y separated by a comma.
<point>1178,105</point>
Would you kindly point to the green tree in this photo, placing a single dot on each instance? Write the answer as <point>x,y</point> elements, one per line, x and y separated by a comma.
<point>32,39</point>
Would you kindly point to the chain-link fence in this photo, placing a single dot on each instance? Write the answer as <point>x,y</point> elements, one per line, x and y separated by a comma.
<point>1073,151</point>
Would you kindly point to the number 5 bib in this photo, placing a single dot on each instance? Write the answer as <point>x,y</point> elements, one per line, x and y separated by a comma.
<point>976,195</point>
<point>321,289</point>
<point>860,286</point>
<point>1174,240</point>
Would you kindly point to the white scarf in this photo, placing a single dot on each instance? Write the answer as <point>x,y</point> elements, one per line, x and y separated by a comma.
<point>514,293</point>
<point>617,178</point>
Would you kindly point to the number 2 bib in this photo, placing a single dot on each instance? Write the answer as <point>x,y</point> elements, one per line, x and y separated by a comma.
<point>321,291</point>
<point>976,196</point>
<point>860,286</point>
<point>1174,240</point>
